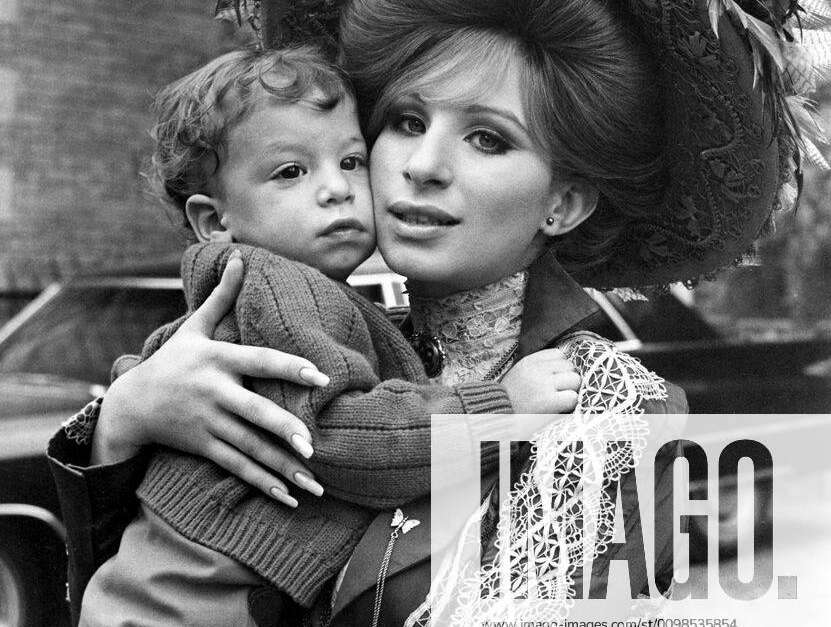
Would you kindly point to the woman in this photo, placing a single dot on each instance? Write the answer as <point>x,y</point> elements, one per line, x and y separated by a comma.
<point>625,179</point>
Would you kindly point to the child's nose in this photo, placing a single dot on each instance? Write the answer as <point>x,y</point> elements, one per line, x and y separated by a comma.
<point>334,190</point>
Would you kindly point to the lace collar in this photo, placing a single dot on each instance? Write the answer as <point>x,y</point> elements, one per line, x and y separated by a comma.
<point>476,328</point>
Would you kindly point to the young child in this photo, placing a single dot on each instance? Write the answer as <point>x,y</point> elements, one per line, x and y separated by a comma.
<point>263,154</point>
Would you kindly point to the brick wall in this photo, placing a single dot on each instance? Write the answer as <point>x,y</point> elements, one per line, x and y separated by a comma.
<point>76,82</point>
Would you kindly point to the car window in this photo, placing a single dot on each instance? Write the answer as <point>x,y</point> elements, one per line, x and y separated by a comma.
<point>84,328</point>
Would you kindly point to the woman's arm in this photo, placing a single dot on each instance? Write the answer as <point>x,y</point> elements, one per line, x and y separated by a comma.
<point>371,425</point>
<point>189,396</point>
<point>97,492</point>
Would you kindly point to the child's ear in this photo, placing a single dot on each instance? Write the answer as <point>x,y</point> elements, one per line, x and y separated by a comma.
<point>203,213</point>
<point>571,204</point>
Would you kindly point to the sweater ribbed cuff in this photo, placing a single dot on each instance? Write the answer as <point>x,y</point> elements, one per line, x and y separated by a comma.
<point>297,561</point>
<point>484,398</point>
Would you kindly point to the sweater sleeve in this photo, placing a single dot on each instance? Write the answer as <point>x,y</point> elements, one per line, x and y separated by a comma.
<point>371,425</point>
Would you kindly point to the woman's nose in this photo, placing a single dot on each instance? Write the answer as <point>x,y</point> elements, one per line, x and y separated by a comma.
<point>334,189</point>
<point>428,164</point>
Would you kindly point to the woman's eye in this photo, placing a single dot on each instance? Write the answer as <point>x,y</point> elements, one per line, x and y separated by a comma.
<point>353,162</point>
<point>488,142</point>
<point>290,171</point>
<point>410,125</point>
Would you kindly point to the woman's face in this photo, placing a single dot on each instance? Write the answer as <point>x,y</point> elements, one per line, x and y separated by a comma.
<point>461,193</point>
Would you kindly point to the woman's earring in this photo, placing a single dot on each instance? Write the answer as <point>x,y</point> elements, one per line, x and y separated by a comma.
<point>550,220</point>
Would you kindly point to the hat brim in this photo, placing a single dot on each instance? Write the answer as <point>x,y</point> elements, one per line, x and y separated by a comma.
<point>722,152</point>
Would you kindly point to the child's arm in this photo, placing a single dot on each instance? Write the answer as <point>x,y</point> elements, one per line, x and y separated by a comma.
<point>99,500</point>
<point>371,436</point>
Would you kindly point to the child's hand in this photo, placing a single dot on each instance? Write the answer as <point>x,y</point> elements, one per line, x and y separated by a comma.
<point>543,383</point>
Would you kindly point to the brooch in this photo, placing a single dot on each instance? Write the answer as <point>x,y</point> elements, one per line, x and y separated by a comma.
<point>431,351</point>
<point>400,524</point>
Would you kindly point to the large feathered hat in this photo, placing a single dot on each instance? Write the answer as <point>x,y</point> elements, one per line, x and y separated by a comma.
<point>739,126</point>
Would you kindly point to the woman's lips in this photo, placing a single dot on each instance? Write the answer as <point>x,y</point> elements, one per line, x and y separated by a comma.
<point>420,220</point>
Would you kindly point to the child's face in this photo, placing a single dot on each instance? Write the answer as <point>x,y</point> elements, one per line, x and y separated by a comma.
<point>294,180</point>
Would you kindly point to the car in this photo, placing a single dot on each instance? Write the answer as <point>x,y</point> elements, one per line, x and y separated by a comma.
<point>729,377</point>
<point>55,356</point>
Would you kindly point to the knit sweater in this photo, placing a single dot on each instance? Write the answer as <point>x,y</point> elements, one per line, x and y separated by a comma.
<point>370,426</point>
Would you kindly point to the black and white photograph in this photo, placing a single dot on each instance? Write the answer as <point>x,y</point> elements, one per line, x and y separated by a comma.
<point>415,313</point>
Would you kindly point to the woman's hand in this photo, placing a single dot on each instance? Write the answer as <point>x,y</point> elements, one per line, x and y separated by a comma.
<point>188,396</point>
<point>543,383</point>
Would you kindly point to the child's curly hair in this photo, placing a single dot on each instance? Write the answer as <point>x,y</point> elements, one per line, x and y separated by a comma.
<point>195,113</point>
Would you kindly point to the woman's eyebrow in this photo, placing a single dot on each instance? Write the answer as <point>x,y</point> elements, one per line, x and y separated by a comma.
<point>479,109</point>
<point>502,113</point>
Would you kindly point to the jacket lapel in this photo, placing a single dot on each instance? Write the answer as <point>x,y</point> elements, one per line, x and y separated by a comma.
<point>555,305</point>
<point>410,549</point>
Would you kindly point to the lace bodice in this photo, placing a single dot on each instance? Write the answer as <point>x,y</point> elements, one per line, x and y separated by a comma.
<point>563,486</point>
<point>478,328</point>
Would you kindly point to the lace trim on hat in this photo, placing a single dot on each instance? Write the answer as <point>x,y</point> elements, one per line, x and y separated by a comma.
<point>478,328</point>
<point>559,501</point>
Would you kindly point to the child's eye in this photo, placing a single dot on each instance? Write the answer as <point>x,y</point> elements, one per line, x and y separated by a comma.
<point>409,124</point>
<point>289,171</point>
<point>353,162</point>
<point>488,142</point>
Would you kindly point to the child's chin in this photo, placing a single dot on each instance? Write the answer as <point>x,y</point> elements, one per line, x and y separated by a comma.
<point>340,269</point>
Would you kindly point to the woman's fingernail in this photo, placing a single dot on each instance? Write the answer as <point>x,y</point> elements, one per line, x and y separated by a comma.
<point>302,445</point>
<point>235,254</point>
<point>314,376</point>
<point>283,497</point>
<point>307,483</point>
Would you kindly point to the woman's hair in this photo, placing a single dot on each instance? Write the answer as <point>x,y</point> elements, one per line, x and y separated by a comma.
<point>195,114</point>
<point>589,90</point>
